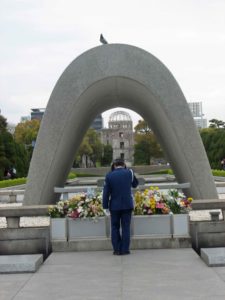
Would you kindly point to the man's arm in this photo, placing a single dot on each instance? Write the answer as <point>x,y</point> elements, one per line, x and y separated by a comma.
<point>106,194</point>
<point>135,181</point>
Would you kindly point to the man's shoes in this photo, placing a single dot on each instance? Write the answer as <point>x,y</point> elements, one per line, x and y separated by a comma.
<point>121,253</point>
<point>125,253</point>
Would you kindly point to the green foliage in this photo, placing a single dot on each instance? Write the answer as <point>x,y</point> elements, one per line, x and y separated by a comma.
<point>12,153</point>
<point>168,171</point>
<point>96,145</point>
<point>3,124</point>
<point>72,175</point>
<point>174,207</point>
<point>90,147</point>
<point>218,173</point>
<point>107,155</point>
<point>214,123</point>
<point>27,132</point>
<point>142,127</point>
<point>146,145</point>
<point>142,152</point>
<point>12,182</point>
<point>214,143</point>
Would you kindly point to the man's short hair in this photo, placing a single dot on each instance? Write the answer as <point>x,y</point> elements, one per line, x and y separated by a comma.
<point>119,162</point>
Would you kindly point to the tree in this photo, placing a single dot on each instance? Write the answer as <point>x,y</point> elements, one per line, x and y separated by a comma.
<point>214,143</point>
<point>142,153</point>
<point>3,124</point>
<point>142,127</point>
<point>90,149</point>
<point>107,155</point>
<point>12,154</point>
<point>96,145</point>
<point>214,123</point>
<point>146,145</point>
<point>26,133</point>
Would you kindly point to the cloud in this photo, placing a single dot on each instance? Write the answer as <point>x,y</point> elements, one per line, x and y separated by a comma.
<point>40,38</point>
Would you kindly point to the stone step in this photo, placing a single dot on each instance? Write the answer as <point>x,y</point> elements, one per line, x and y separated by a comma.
<point>213,257</point>
<point>28,263</point>
<point>137,242</point>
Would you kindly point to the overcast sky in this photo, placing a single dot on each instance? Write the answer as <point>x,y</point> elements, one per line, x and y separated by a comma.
<point>40,38</point>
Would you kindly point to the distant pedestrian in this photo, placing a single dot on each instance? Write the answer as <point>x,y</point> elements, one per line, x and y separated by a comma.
<point>13,172</point>
<point>7,174</point>
<point>117,197</point>
<point>223,164</point>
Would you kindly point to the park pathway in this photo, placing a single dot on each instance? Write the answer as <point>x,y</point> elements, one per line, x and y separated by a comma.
<point>170,274</point>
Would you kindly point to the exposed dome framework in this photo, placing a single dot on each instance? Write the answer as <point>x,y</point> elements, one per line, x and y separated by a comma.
<point>119,116</point>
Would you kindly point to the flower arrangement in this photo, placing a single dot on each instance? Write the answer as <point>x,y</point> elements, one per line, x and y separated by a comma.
<point>149,202</point>
<point>59,210</point>
<point>80,206</point>
<point>153,201</point>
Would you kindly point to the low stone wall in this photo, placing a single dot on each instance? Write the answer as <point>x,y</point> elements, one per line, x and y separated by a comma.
<point>15,239</point>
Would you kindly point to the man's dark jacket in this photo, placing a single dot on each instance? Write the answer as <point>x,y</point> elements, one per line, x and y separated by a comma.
<point>117,190</point>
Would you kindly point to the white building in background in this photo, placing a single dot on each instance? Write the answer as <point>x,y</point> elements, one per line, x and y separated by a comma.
<point>120,136</point>
<point>197,113</point>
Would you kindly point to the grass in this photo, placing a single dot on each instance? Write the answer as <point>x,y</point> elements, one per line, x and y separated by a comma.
<point>12,182</point>
<point>72,175</point>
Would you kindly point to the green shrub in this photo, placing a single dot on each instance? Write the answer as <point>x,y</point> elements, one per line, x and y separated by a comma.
<point>12,182</point>
<point>72,175</point>
<point>218,173</point>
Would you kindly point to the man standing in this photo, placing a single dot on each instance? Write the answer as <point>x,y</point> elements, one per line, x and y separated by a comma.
<point>117,197</point>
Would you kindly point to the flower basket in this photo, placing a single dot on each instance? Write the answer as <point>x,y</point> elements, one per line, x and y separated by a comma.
<point>152,225</point>
<point>180,224</point>
<point>58,229</point>
<point>86,228</point>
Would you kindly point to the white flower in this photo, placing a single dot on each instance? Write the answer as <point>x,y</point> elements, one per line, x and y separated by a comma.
<point>80,209</point>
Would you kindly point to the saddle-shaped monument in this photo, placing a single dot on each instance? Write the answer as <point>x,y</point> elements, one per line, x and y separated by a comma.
<point>105,77</point>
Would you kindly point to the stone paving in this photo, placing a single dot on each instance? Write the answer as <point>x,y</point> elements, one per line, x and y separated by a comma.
<point>170,274</point>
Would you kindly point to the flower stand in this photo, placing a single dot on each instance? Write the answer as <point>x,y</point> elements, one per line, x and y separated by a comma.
<point>86,228</point>
<point>180,224</point>
<point>58,228</point>
<point>154,224</point>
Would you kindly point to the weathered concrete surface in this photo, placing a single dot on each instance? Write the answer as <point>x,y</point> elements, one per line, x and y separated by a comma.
<point>98,244</point>
<point>145,274</point>
<point>102,78</point>
<point>213,257</point>
<point>20,263</point>
<point>207,234</point>
<point>25,241</point>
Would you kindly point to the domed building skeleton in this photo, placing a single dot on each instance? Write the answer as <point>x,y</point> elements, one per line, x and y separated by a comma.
<point>120,136</point>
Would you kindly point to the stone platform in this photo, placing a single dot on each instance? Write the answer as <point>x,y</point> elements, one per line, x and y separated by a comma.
<point>20,263</point>
<point>213,257</point>
<point>137,242</point>
<point>170,274</point>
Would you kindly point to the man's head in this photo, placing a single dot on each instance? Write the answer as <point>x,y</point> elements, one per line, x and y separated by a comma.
<point>119,162</point>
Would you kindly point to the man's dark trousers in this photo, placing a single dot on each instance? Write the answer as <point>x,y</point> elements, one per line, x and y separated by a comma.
<point>120,241</point>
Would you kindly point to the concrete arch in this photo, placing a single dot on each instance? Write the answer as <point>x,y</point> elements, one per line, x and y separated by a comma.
<point>102,78</point>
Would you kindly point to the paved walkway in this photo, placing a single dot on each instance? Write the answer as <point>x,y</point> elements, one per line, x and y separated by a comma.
<point>145,274</point>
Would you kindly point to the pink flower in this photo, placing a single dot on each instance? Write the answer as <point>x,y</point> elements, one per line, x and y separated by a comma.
<point>74,214</point>
<point>159,205</point>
